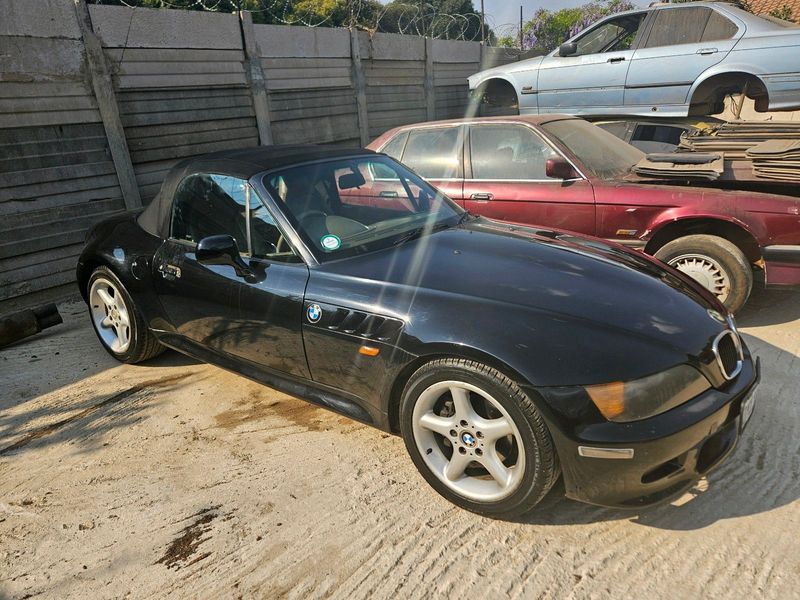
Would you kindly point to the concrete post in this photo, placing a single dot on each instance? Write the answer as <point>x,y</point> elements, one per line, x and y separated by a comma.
<point>430,84</point>
<point>361,87</point>
<point>109,110</point>
<point>256,79</point>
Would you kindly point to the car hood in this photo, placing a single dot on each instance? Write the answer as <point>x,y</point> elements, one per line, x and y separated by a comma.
<point>572,280</point>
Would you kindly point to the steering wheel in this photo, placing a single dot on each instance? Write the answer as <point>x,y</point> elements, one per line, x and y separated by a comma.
<point>279,245</point>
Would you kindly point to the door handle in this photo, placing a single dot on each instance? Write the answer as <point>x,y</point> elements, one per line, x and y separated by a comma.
<point>169,271</point>
<point>389,194</point>
<point>481,197</point>
<point>616,59</point>
<point>707,51</point>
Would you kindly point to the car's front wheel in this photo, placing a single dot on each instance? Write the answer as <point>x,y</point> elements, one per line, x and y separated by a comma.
<point>117,322</point>
<point>716,263</point>
<point>477,438</point>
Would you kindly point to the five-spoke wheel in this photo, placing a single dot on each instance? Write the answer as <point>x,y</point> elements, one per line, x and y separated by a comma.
<point>117,322</point>
<point>110,315</point>
<point>477,438</point>
<point>468,440</point>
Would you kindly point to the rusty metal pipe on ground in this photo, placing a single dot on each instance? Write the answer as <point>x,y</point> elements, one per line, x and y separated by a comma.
<point>25,323</point>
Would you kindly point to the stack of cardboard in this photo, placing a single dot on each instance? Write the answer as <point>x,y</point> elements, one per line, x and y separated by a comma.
<point>776,159</point>
<point>771,148</point>
<point>681,166</point>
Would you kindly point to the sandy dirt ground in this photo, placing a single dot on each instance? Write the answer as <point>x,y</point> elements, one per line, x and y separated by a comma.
<point>178,479</point>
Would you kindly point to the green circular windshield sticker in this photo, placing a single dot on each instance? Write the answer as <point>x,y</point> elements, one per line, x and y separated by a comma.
<point>330,242</point>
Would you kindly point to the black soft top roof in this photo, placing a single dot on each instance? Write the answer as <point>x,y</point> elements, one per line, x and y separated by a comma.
<point>243,163</point>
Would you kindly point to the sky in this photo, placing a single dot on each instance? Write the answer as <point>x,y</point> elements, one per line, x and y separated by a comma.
<point>503,15</point>
<point>502,12</point>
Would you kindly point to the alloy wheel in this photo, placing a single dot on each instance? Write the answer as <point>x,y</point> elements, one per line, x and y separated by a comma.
<point>110,315</point>
<point>468,441</point>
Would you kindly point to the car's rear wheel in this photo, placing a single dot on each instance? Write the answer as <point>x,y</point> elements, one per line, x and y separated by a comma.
<point>477,438</point>
<point>714,262</point>
<point>116,321</point>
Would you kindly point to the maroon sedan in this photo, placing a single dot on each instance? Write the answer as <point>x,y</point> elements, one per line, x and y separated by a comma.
<point>563,172</point>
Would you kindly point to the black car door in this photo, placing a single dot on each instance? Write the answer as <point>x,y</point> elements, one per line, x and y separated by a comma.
<point>256,318</point>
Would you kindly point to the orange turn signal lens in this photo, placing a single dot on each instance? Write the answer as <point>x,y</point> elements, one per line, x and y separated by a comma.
<point>369,351</point>
<point>609,398</point>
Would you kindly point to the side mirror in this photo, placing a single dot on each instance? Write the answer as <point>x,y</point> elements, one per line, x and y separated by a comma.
<point>567,49</point>
<point>558,168</point>
<point>222,250</point>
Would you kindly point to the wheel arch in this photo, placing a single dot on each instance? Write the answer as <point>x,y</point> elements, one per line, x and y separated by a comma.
<point>707,95</point>
<point>436,351</point>
<point>498,92</point>
<point>731,231</point>
<point>85,270</point>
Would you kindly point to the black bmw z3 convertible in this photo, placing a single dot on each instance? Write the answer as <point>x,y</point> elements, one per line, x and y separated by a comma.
<point>505,356</point>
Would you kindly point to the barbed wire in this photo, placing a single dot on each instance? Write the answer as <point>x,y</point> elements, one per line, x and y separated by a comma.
<point>404,18</point>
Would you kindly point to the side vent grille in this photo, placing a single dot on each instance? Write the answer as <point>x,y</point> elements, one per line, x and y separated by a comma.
<point>364,325</point>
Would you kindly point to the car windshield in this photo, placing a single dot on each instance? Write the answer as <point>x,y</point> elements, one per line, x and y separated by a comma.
<point>354,205</point>
<point>602,153</point>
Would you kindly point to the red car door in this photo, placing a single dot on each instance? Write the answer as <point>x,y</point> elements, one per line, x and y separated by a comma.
<point>505,179</point>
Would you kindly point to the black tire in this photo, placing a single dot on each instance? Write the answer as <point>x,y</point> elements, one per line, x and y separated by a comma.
<point>724,254</point>
<point>541,466</point>
<point>143,343</point>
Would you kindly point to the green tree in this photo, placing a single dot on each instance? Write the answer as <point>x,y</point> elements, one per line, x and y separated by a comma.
<point>443,19</point>
<point>547,29</point>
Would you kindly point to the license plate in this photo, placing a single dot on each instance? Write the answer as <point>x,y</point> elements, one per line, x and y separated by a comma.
<point>747,409</point>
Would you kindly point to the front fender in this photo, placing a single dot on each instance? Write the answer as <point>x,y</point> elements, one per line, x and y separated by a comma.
<point>683,214</point>
<point>517,74</point>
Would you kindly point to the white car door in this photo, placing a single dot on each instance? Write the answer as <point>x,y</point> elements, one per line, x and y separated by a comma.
<point>683,42</point>
<point>592,79</point>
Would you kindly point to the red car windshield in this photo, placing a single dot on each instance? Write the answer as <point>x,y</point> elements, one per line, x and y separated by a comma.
<point>601,152</point>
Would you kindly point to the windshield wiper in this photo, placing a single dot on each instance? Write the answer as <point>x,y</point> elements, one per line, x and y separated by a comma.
<point>419,232</point>
<point>467,216</point>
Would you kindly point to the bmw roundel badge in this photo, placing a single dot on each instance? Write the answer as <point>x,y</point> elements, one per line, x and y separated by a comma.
<point>313,313</point>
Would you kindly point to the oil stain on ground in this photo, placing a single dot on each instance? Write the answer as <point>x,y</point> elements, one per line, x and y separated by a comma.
<point>256,406</point>
<point>185,546</point>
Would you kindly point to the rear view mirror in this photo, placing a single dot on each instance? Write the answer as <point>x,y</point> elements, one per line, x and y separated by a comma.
<point>567,49</point>
<point>222,250</point>
<point>350,181</point>
<point>558,168</point>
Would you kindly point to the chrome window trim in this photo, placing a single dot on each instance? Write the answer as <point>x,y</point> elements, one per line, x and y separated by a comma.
<point>548,180</point>
<point>737,344</point>
<point>470,122</point>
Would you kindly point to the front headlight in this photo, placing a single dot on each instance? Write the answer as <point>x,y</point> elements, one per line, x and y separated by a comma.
<point>624,401</point>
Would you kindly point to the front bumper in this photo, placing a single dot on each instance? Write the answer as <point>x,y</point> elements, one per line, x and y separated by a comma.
<point>781,265</point>
<point>671,450</point>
